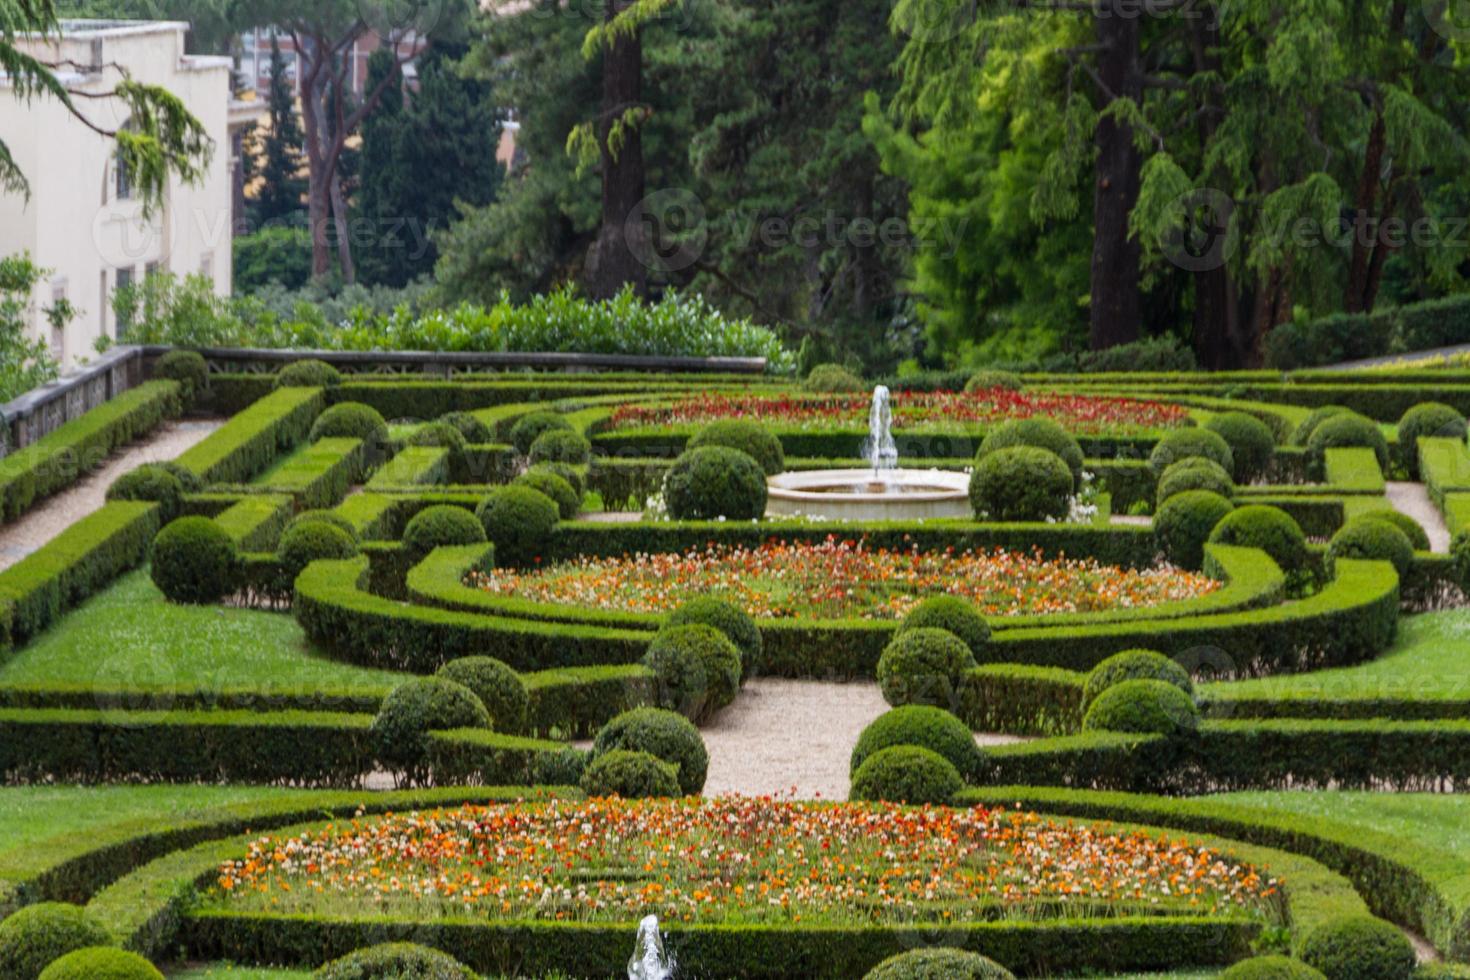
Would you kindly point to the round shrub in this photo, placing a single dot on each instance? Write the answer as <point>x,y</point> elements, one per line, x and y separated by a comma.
<point>519,521</point>
<point>568,502</point>
<point>1022,483</point>
<point>737,625</point>
<point>34,936</point>
<point>906,774</point>
<point>351,420</point>
<point>395,961</point>
<point>1194,473</point>
<point>152,483</point>
<point>631,775</point>
<point>187,367</point>
<point>751,438</point>
<point>916,724</point>
<point>1426,420</point>
<point>1134,665</point>
<point>939,963</point>
<point>440,525</point>
<point>988,380</point>
<point>1250,440</point>
<point>529,427</point>
<point>1347,430</point>
<point>1041,432</point>
<point>1184,523</point>
<point>194,561</point>
<point>101,963</point>
<point>415,708</point>
<point>1359,947</point>
<point>1185,443</point>
<point>308,373</point>
<point>1370,538</point>
<point>953,615</point>
<point>1268,528</point>
<point>665,735</point>
<point>438,434</point>
<point>697,669</point>
<point>309,541</point>
<point>1309,424</point>
<point>832,378</point>
<point>568,473</point>
<point>473,430</point>
<point>1271,968</point>
<point>923,666</point>
<point>191,482</point>
<point>561,446</point>
<point>714,482</point>
<point>1411,529</point>
<point>499,688</point>
<point>1143,707</point>
<point>327,516</point>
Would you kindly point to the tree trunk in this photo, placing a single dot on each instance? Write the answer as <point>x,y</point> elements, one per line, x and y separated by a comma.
<point>617,255</point>
<point>1116,306</point>
<point>1365,246</point>
<point>318,206</point>
<point>344,235</point>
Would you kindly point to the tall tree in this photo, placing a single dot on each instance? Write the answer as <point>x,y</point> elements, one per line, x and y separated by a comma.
<point>281,186</point>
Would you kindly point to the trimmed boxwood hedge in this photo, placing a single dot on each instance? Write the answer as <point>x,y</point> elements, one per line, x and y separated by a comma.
<point>714,482</point>
<point>939,964</point>
<point>631,775</point>
<point>1038,432</point>
<point>1021,483</point>
<point>927,727</point>
<point>908,774</point>
<point>750,437</point>
<point>38,934</point>
<point>247,444</point>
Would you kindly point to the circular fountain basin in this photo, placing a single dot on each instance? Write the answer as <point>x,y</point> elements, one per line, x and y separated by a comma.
<point>863,495</point>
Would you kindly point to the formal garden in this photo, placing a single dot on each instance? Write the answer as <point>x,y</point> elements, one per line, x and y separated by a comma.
<point>398,674</point>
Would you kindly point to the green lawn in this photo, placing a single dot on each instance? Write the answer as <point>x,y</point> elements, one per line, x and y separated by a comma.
<point>1439,823</point>
<point>129,638</point>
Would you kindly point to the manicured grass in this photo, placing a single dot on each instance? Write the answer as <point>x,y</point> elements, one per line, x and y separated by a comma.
<point>129,638</point>
<point>1439,823</point>
<point>223,971</point>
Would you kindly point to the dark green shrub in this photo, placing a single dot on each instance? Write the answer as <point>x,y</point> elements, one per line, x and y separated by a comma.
<point>415,708</point>
<point>309,541</point>
<point>714,482</point>
<point>188,368</point>
<point>1040,432</point>
<point>500,689</point>
<point>564,767</point>
<point>1268,528</point>
<point>150,482</point>
<point>568,502</point>
<point>1250,440</point>
<point>939,963</point>
<point>519,521</point>
<point>561,446</point>
<point>395,961</point>
<point>906,774</point>
<point>1194,473</point>
<point>737,625</point>
<point>1186,443</point>
<point>473,430</point>
<point>1184,523</point>
<point>951,614</point>
<point>34,936</point>
<point>832,378</point>
<point>1427,419</point>
<point>631,775</point>
<point>101,963</point>
<point>351,420</point>
<point>440,525</point>
<point>665,735</point>
<point>1303,433</point>
<point>923,666</point>
<point>1271,968</point>
<point>191,482</point>
<point>566,472</point>
<point>327,516</point>
<point>1359,947</point>
<point>1371,538</point>
<point>308,373</point>
<point>194,561</point>
<point>1142,707</point>
<point>1441,971</point>
<point>915,724</point>
<point>1347,430</point>
<point>440,434</point>
<point>1134,665</point>
<point>987,380</point>
<point>529,427</point>
<point>751,438</point>
<point>1022,483</point>
<point>1411,529</point>
<point>697,669</point>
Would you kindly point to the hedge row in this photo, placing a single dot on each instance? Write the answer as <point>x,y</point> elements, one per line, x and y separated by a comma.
<point>1020,699</point>
<point>400,399</point>
<point>375,516</point>
<point>54,461</point>
<point>256,521</point>
<point>250,441</point>
<point>1359,336</point>
<point>320,474</point>
<point>412,466</point>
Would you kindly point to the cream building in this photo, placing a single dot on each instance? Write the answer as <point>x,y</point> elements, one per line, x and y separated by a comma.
<point>82,221</point>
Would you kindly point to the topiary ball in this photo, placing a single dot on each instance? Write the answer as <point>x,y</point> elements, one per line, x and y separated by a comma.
<point>1184,523</point>
<point>631,775</point>
<point>568,501</point>
<point>528,428</point>
<point>923,666</point>
<point>751,438</point>
<point>499,688</point>
<point>1142,707</point>
<point>1250,440</point>
<point>906,774</point>
<point>331,517</point>
<point>351,420</point>
<point>1426,420</point>
<point>439,526</point>
<point>188,368</point>
<point>566,472</point>
<point>990,380</point>
<point>1304,431</point>
<point>832,378</point>
<point>1347,430</point>
<point>308,373</point>
<point>101,963</point>
<point>1372,539</point>
<point>36,935</point>
<point>415,708</point>
<point>1039,432</point>
<point>1134,665</point>
<point>1194,473</point>
<point>939,963</point>
<point>715,482</point>
<point>473,430</point>
<point>1410,528</point>
<point>395,961</point>
<point>193,560</point>
<point>561,446</point>
<point>153,483</point>
<point>1359,947</point>
<point>696,669</point>
<point>666,735</point>
<point>519,521</point>
<point>1022,483</point>
<point>1185,443</point>
<point>310,541</point>
<point>931,728</point>
<point>953,615</point>
<point>440,434</point>
<point>1271,968</point>
<point>1269,528</point>
<point>737,625</point>
<point>191,482</point>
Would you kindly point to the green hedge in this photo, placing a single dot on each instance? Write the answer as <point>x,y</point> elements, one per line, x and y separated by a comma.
<point>255,522</point>
<point>1353,470</point>
<point>413,466</point>
<point>320,474</point>
<point>374,516</point>
<point>250,441</point>
<point>577,701</point>
<point>1020,699</point>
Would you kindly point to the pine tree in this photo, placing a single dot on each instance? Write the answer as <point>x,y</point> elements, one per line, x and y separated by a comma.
<point>282,187</point>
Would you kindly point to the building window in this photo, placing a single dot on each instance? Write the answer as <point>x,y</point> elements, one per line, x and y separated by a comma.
<point>102,304</point>
<point>151,269</point>
<point>124,179</point>
<point>57,320</point>
<point>124,280</point>
<point>206,266</point>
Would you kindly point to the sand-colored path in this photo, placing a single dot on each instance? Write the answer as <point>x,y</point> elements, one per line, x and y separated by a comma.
<point>1413,499</point>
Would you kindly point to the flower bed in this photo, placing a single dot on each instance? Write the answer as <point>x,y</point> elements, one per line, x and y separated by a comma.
<point>837,579</point>
<point>734,859</point>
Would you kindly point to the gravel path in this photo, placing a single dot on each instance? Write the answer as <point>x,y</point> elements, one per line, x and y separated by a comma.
<point>57,513</point>
<point>1413,499</point>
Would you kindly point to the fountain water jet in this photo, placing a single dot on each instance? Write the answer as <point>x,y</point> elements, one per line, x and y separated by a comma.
<point>649,961</point>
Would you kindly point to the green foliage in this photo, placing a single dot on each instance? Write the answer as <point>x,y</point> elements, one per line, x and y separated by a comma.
<point>1303,433</point>
<point>440,434</point>
<point>1359,948</point>
<point>153,483</point>
<point>567,472</point>
<point>1346,429</point>
<point>1039,431</point>
<point>631,775</point>
<point>906,774</point>
<point>1250,440</point>
<point>308,373</point>
<point>1268,528</point>
<point>188,368</point>
<point>331,517</point>
<point>923,666</point>
<point>253,438</point>
<point>1143,707</point>
<point>101,963</point>
<point>925,726</point>
<point>737,625</point>
<point>666,735</point>
<point>989,380</point>
<point>1022,483</point>
<point>1271,968</point>
<point>953,615</point>
<point>351,420</point>
<point>1429,419</point>
<point>715,482</point>
<point>469,425</point>
<point>440,525</point>
<point>281,187</point>
<point>1194,473</point>
<point>1410,528</point>
<point>309,541</point>
<point>194,561</point>
<point>1186,443</point>
<point>413,709</point>
<point>939,964</point>
<point>832,378</point>
<point>1371,538</point>
<point>33,937</point>
<point>749,437</point>
<point>274,256</point>
<point>531,426</point>
<point>1133,665</point>
<point>187,478</point>
<point>395,961</point>
<point>519,521</point>
<point>501,690</point>
<point>561,446</point>
<point>697,669</point>
<point>553,486</point>
<point>25,363</point>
